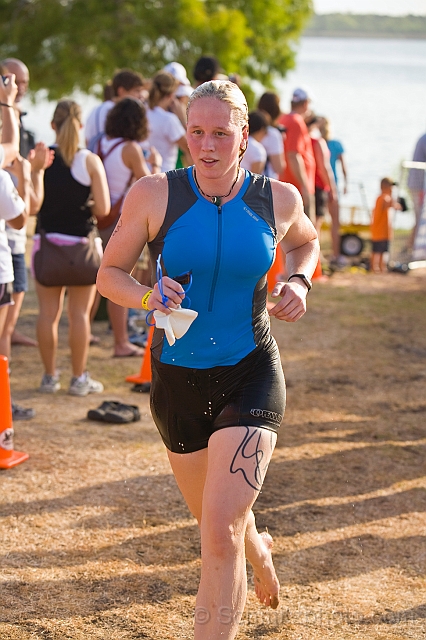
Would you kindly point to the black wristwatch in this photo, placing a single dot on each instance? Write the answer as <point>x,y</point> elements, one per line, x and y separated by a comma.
<point>302,277</point>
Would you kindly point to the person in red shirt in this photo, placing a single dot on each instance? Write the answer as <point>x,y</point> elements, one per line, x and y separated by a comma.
<point>299,155</point>
<point>325,185</point>
<point>381,230</point>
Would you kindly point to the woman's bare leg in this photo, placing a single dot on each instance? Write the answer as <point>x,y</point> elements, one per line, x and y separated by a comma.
<point>50,300</point>
<point>334,209</point>
<point>80,301</point>
<point>220,485</point>
<point>9,326</point>
<point>3,316</point>
<point>118,319</point>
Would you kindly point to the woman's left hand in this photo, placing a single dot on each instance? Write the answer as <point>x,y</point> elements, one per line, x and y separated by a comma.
<point>292,305</point>
<point>172,290</point>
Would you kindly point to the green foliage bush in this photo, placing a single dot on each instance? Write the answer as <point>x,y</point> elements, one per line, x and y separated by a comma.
<point>78,44</point>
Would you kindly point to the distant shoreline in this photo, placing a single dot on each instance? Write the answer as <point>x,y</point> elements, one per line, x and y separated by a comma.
<point>368,34</point>
<point>350,25</point>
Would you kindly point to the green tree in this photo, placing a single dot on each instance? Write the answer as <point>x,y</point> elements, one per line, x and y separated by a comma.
<point>78,44</point>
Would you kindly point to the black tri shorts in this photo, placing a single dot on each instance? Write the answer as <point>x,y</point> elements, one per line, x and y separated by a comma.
<point>188,405</point>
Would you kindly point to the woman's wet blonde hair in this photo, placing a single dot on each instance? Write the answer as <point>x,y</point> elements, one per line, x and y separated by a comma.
<point>225,91</point>
<point>67,121</point>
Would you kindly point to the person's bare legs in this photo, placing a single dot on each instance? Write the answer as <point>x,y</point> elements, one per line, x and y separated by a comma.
<point>10,335</point>
<point>377,262</point>
<point>417,198</point>
<point>118,319</point>
<point>9,324</point>
<point>220,487</point>
<point>318,224</point>
<point>80,301</point>
<point>93,311</point>
<point>20,338</point>
<point>333,207</point>
<point>50,300</point>
<point>3,315</point>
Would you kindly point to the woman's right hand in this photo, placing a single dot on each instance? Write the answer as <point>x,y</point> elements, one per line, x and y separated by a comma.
<point>172,290</point>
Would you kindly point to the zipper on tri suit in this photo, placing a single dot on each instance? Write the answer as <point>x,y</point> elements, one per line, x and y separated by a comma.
<point>218,252</point>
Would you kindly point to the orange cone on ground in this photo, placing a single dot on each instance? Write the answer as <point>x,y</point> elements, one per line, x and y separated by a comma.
<point>276,270</point>
<point>318,271</point>
<point>142,380</point>
<point>8,457</point>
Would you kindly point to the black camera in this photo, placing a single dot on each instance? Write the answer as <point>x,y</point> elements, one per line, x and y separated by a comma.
<point>402,201</point>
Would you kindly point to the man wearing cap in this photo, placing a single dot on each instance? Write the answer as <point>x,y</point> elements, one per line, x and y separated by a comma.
<point>178,71</point>
<point>299,155</point>
<point>180,101</point>
<point>381,230</point>
<point>184,90</point>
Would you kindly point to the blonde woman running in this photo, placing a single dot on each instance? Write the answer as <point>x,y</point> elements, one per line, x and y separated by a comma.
<point>218,392</point>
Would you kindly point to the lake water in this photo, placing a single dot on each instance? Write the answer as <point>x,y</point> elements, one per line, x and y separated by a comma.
<point>373,92</point>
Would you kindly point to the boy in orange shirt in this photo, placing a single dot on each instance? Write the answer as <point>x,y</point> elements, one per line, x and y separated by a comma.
<point>381,230</point>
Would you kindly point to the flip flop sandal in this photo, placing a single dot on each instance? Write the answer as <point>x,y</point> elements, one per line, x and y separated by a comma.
<point>119,415</point>
<point>99,413</point>
<point>121,406</point>
<point>116,412</point>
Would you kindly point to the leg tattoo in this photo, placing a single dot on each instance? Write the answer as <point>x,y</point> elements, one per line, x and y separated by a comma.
<point>250,449</point>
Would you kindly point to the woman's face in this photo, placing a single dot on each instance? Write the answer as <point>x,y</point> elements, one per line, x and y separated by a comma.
<point>214,138</point>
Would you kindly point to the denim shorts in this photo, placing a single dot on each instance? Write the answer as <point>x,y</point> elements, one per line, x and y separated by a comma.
<point>20,282</point>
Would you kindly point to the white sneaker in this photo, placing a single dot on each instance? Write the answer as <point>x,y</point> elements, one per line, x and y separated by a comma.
<point>84,385</point>
<point>49,384</point>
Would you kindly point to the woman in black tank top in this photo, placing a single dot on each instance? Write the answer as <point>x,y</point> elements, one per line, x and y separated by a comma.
<point>75,191</point>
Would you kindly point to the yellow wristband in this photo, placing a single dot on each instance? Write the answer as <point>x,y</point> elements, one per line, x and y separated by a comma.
<point>145,298</point>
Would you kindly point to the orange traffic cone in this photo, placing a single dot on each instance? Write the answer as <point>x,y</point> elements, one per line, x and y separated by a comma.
<point>318,274</point>
<point>142,380</point>
<point>8,457</point>
<point>276,270</point>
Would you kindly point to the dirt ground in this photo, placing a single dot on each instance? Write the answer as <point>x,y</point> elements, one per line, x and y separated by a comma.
<point>96,542</point>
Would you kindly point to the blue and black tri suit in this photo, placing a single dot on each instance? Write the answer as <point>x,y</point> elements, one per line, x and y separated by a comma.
<point>226,370</point>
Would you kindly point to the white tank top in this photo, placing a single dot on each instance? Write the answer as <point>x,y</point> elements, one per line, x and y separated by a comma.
<point>79,169</point>
<point>118,175</point>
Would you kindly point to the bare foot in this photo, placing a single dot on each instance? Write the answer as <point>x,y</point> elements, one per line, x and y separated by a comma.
<point>20,338</point>
<point>266,582</point>
<point>128,351</point>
